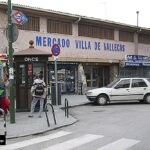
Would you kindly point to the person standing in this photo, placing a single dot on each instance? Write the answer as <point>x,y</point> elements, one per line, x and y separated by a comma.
<point>5,94</point>
<point>6,85</point>
<point>38,91</point>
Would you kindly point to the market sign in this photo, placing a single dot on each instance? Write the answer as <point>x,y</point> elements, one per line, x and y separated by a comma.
<point>18,17</point>
<point>136,57</point>
<point>134,63</point>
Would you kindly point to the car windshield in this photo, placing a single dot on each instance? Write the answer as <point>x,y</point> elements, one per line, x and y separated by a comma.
<point>112,83</point>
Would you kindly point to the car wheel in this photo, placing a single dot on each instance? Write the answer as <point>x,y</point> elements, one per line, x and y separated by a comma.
<point>102,100</point>
<point>147,98</point>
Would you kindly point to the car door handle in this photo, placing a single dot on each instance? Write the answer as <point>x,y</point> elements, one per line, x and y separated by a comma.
<point>127,89</point>
<point>144,88</point>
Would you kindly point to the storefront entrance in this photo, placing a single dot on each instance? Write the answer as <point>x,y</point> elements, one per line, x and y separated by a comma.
<point>29,63</point>
<point>66,76</point>
<point>96,76</point>
<point>25,75</point>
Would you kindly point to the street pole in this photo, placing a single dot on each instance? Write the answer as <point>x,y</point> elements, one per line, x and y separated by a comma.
<point>137,45</point>
<point>56,84</point>
<point>11,71</point>
<point>137,18</point>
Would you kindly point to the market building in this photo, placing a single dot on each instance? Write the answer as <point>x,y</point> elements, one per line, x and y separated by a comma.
<point>93,51</point>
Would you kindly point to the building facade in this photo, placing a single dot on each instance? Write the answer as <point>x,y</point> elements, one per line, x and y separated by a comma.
<point>96,45</point>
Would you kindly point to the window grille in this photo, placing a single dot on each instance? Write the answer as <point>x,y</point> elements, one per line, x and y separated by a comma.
<point>56,26</point>
<point>126,36</point>
<point>95,31</point>
<point>143,38</point>
<point>32,24</point>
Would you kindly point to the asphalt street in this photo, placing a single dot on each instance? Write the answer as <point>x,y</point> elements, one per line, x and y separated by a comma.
<point>117,126</point>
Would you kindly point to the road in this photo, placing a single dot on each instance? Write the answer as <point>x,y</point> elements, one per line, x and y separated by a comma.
<point>117,126</point>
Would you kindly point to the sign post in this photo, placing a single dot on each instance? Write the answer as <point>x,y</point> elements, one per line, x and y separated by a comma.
<point>11,75</point>
<point>18,18</point>
<point>56,51</point>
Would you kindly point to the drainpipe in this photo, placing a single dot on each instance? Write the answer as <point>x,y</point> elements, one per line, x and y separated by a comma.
<point>77,21</point>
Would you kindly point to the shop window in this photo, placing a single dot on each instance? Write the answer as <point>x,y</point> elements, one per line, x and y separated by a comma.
<point>22,72</point>
<point>66,78</point>
<point>56,26</point>
<point>32,24</point>
<point>126,36</point>
<point>95,31</point>
<point>37,69</point>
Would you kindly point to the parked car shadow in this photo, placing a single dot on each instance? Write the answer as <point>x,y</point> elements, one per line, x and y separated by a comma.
<point>117,103</point>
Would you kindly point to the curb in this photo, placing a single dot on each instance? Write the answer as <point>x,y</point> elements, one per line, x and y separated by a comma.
<point>42,132</point>
<point>72,106</point>
<point>55,128</point>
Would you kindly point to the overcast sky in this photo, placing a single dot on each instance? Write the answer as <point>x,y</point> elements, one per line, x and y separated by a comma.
<point>123,11</point>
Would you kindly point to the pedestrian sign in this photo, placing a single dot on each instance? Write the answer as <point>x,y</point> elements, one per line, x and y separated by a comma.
<point>55,50</point>
<point>18,17</point>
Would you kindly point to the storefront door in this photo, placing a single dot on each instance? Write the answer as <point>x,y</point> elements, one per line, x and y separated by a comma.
<point>96,76</point>
<point>21,84</point>
<point>25,76</point>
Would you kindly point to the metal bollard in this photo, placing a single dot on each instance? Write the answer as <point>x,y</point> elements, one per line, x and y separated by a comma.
<point>52,113</point>
<point>3,137</point>
<point>66,108</point>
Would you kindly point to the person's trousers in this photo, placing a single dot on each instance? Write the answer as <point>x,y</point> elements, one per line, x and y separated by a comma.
<point>33,104</point>
<point>5,105</point>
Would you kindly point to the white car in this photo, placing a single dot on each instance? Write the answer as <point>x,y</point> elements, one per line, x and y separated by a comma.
<point>122,89</point>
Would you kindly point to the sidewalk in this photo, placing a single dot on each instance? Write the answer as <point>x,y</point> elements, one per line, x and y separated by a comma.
<point>28,126</point>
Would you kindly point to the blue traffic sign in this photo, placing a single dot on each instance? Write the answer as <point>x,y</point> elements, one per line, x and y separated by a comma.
<point>55,50</point>
<point>18,17</point>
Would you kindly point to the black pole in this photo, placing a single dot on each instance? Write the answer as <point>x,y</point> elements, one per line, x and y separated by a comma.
<point>11,71</point>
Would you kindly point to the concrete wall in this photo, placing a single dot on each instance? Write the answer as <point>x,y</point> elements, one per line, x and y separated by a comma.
<point>3,26</point>
<point>78,47</point>
<point>113,74</point>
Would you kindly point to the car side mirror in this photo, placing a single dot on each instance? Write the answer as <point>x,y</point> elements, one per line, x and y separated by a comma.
<point>116,87</point>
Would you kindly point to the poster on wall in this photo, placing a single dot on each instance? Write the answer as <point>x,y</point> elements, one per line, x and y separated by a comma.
<point>82,78</point>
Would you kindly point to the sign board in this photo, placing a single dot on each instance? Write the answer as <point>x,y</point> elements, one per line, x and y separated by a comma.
<point>55,50</point>
<point>122,64</point>
<point>31,59</point>
<point>3,56</point>
<point>134,63</point>
<point>136,57</point>
<point>18,17</point>
<point>15,33</point>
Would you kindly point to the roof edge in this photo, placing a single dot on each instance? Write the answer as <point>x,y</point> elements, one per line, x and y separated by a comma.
<point>75,16</point>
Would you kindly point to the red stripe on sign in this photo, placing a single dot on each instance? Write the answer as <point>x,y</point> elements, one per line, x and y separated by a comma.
<point>3,56</point>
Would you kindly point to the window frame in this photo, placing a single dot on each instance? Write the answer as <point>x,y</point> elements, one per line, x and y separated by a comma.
<point>117,87</point>
<point>138,83</point>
